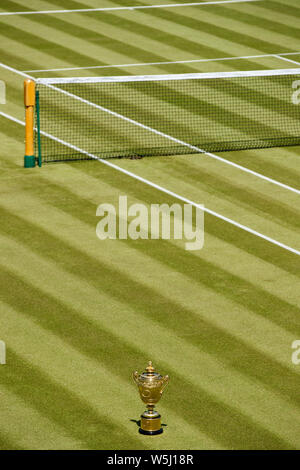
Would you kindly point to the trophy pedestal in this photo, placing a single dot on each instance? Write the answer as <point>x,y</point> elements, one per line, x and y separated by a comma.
<point>150,423</point>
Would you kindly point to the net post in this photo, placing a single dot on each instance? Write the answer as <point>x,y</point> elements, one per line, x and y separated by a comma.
<point>29,102</point>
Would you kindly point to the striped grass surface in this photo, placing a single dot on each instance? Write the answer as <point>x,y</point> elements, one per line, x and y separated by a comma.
<point>78,314</point>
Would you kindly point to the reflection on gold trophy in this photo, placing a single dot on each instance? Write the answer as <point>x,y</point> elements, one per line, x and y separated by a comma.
<point>151,386</point>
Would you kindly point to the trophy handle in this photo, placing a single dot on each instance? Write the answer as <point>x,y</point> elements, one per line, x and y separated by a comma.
<point>135,376</point>
<point>165,381</point>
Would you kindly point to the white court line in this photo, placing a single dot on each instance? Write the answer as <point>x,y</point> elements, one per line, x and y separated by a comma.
<point>167,77</point>
<point>12,118</point>
<point>167,62</point>
<point>208,154</point>
<point>164,190</point>
<point>18,72</point>
<point>142,7</point>
<point>288,60</point>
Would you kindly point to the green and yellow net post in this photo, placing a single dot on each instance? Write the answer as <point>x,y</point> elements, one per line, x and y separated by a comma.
<point>29,101</point>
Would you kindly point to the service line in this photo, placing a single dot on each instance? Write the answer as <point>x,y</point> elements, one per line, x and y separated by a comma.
<point>141,7</point>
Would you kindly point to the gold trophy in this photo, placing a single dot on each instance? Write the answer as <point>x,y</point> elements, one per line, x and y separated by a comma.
<point>151,386</point>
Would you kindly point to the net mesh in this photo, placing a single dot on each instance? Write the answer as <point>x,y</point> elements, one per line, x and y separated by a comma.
<point>116,117</point>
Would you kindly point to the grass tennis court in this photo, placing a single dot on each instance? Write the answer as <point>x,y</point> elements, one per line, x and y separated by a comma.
<point>78,315</point>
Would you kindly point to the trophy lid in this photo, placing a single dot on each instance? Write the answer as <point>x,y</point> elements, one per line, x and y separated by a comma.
<point>149,373</point>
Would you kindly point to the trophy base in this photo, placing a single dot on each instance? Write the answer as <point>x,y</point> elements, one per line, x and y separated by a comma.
<point>150,433</point>
<point>150,424</point>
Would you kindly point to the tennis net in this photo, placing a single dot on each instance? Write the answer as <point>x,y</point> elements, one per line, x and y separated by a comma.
<point>131,116</point>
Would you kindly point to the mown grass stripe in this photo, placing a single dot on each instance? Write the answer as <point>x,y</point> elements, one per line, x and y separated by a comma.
<point>94,381</point>
<point>9,57</point>
<point>193,401</point>
<point>16,415</point>
<point>220,229</point>
<point>116,45</point>
<point>285,315</point>
<point>134,7</point>
<point>83,32</point>
<point>87,188</point>
<point>62,52</point>
<point>249,20</point>
<point>261,13</point>
<point>220,31</point>
<point>10,6</point>
<point>35,387</point>
<point>262,160</point>
<point>7,443</point>
<point>292,10</point>
<point>51,48</point>
<point>256,331</point>
<point>263,205</point>
<point>30,276</point>
<point>173,40</point>
<point>184,199</point>
<point>179,40</point>
<point>255,298</point>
